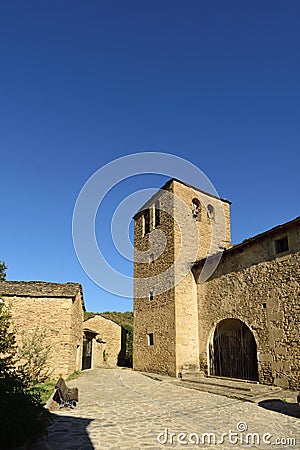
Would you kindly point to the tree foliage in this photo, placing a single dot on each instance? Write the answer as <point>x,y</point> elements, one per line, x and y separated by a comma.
<point>7,340</point>
<point>33,353</point>
<point>128,343</point>
<point>22,416</point>
<point>3,268</point>
<point>118,317</point>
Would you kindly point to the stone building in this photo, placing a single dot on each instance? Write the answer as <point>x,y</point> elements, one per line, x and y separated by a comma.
<point>57,310</point>
<point>102,341</point>
<point>206,306</point>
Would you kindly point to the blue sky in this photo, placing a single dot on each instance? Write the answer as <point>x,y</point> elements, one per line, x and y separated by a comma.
<point>83,83</point>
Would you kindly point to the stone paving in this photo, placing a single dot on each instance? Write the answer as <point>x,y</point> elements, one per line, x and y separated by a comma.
<point>122,409</point>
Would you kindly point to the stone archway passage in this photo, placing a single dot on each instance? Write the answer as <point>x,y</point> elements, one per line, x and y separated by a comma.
<point>234,352</point>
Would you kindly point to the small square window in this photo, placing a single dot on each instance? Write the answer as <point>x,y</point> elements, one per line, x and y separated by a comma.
<point>282,245</point>
<point>150,339</point>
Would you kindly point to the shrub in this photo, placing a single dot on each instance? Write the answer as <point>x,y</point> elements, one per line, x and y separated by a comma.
<point>74,375</point>
<point>3,268</point>
<point>45,390</point>
<point>22,416</point>
<point>34,353</point>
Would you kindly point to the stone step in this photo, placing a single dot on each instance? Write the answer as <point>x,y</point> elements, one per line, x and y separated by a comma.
<point>243,390</point>
<point>240,389</point>
<point>219,383</point>
<point>219,391</point>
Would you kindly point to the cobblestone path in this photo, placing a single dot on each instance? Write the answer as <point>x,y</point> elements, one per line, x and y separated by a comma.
<point>122,409</point>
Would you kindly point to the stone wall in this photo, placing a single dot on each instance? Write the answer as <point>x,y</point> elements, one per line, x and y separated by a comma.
<point>171,315</point>
<point>261,289</point>
<point>213,231</point>
<point>108,340</point>
<point>255,282</point>
<point>76,332</point>
<point>195,236</point>
<point>154,317</point>
<point>55,308</point>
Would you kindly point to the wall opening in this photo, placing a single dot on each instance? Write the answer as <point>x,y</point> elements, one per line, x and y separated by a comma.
<point>146,221</point>
<point>157,213</point>
<point>282,245</point>
<point>150,338</point>
<point>87,348</point>
<point>87,352</point>
<point>196,208</point>
<point>125,354</point>
<point>233,352</point>
<point>210,211</point>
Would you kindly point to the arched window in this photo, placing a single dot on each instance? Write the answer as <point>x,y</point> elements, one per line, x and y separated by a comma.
<point>211,211</point>
<point>196,208</point>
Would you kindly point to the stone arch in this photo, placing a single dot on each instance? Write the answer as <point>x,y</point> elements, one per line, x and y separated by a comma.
<point>233,351</point>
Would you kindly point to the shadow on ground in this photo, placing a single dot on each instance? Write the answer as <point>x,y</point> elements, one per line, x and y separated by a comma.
<point>289,409</point>
<point>66,432</point>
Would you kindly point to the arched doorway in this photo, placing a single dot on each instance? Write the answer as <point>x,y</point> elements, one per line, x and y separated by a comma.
<point>233,352</point>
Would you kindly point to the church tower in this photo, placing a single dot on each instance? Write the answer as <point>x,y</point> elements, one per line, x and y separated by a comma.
<point>179,225</point>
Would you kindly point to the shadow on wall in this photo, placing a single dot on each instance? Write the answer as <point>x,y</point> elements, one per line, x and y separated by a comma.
<point>66,432</point>
<point>289,409</point>
<point>125,354</point>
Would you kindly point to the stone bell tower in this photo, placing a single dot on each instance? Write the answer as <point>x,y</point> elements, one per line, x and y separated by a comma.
<point>177,226</point>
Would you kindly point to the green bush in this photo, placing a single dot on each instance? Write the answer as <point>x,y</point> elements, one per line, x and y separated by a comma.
<point>22,416</point>
<point>74,375</point>
<point>45,389</point>
<point>3,268</point>
<point>33,353</point>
